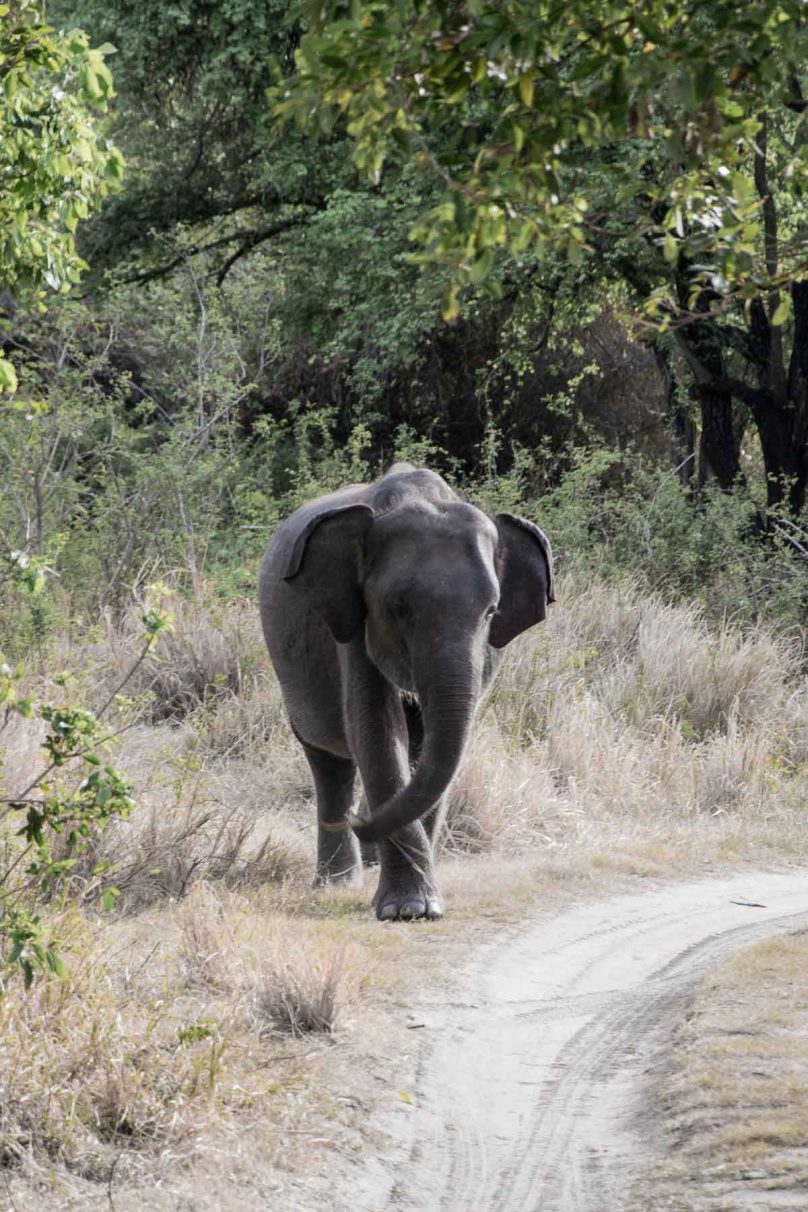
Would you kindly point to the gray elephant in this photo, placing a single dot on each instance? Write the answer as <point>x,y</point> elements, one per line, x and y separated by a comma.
<point>385,608</point>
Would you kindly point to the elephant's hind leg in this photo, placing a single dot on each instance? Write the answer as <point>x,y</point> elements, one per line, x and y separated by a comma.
<point>338,856</point>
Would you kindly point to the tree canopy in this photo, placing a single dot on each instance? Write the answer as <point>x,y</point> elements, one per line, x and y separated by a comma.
<point>541,120</point>
<point>660,142</point>
<point>55,164</point>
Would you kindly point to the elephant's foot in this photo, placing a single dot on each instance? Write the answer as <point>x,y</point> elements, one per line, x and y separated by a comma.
<point>407,881</point>
<point>339,860</point>
<point>404,895</point>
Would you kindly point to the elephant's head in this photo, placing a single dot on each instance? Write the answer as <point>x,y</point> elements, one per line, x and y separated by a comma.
<point>429,588</point>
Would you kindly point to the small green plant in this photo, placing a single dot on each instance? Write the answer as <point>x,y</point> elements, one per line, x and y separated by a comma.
<point>194,1033</point>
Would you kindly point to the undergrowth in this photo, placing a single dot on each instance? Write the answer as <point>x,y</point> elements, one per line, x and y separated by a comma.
<point>627,735</point>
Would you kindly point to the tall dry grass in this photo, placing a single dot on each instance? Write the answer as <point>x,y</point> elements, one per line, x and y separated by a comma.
<point>623,715</point>
<point>629,712</point>
<point>626,732</point>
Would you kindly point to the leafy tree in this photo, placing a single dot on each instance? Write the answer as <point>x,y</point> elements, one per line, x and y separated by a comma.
<point>196,131</point>
<point>664,136</point>
<point>213,194</point>
<point>48,823</point>
<point>55,165</point>
<point>745,345</point>
<point>506,104</point>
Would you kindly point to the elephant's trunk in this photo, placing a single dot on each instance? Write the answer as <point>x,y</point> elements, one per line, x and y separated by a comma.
<point>448,712</point>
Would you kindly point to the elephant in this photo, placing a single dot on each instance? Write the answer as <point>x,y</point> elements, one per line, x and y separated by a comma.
<point>385,608</point>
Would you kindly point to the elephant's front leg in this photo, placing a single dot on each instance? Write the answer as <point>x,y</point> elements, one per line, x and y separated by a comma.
<point>407,886</point>
<point>338,855</point>
<point>377,734</point>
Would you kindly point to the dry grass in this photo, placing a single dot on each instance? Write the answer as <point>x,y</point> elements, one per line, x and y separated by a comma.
<point>178,1032</point>
<point>305,995</point>
<point>85,1073</point>
<point>195,821</point>
<point>735,1100</point>
<point>209,653</point>
<point>196,1042</point>
<point>629,714</point>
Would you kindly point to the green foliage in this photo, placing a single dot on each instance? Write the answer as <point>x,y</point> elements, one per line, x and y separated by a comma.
<point>74,796</point>
<point>618,514</point>
<point>55,167</point>
<point>357,298</point>
<point>506,105</point>
<point>197,128</point>
<point>109,492</point>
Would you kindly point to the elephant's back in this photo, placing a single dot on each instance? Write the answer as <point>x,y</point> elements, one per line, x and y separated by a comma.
<point>282,543</point>
<point>402,484</point>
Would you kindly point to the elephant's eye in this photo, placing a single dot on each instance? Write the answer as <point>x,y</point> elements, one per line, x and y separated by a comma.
<point>491,611</point>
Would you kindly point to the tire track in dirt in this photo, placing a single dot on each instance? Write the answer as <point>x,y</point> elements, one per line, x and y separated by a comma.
<point>528,1099</point>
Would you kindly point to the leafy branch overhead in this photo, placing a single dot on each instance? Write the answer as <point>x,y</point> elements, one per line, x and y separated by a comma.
<point>548,125</point>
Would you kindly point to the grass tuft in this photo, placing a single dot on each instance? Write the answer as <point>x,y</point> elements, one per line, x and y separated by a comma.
<point>304,995</point>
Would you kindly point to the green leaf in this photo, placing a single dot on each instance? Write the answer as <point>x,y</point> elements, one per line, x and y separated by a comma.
<point>782,312</point>
<point>108,899</point>
<point>89,82</point>
<point>482,266</point>
<point>8,376</point>
<point>57,965</point>
<point>670,249</point>
<point>450,305</point>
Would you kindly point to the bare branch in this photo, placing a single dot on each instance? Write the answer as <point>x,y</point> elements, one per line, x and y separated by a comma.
<point>249,238</point>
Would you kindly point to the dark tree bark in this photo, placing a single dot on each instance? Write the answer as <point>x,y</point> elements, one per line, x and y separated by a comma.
<point>780,406</point>
<point>720,440</point>
<point>681,426</point>
<point>719,444</point>
<point>779,401</point>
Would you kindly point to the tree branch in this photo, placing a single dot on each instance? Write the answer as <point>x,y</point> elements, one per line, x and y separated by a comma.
<point>250,238</point>
<point>776,363</point>
<point>255,238</point>
<point>706,378</point>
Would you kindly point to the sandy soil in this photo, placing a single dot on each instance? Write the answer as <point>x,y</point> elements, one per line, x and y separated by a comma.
<point>531,1086</point>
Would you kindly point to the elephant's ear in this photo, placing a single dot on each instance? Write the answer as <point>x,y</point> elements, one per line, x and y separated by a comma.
<point>324,564</point>
<point>524,564</point>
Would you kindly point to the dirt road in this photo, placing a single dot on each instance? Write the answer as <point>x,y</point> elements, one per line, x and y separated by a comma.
<point>530,1090</point>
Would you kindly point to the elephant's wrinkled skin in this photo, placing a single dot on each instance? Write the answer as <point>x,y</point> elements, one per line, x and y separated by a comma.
<point>385,607</point>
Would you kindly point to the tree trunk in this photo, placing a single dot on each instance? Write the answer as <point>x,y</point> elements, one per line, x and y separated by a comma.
<point>720,442</point>
<point>780,406</point>
<point>719,445</point>
<point>784,452</point>
<point>681,426</point>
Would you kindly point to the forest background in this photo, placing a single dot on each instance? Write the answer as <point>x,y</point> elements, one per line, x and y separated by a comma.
<point>252,250</point>
<point>261,313</point>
